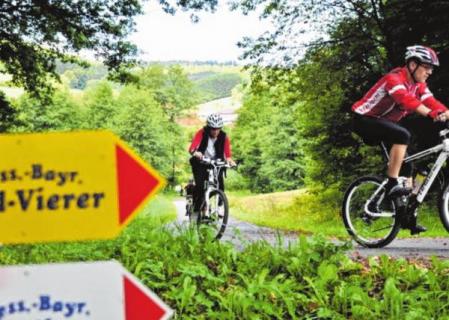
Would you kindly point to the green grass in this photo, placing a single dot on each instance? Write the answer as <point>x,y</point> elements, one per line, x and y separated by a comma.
<point>309,279</point>
<point>158,212</point>
<point>296,210</point>
<point>311,213</point>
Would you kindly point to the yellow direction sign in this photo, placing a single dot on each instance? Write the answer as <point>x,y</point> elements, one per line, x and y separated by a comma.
<point>70,186</point>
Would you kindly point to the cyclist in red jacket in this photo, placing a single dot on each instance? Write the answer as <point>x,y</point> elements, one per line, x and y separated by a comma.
<point>213,143</point>
<point>401,92</point>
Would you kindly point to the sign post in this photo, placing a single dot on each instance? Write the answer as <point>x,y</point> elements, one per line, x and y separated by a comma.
<point>70,186</point>
<point>96,290</point>
<point>64,187</point>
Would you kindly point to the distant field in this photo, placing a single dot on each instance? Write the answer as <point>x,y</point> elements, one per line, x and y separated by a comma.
<point>211,68</point>
<point>211,81</point>
<point>215,85</point>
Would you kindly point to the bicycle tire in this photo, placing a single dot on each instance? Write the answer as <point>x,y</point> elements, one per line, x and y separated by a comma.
<point>359,225</point>
<point>217,215</point>
<point>443,207</point>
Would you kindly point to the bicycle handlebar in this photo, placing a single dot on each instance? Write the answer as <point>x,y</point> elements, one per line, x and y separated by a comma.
<point>216,163</point>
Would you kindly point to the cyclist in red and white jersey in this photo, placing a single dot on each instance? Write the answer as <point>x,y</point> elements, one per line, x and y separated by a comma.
<point>380,113</point>
<point>213,143</point>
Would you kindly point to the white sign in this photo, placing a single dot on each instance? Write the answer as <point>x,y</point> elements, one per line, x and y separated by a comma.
<point>94,291</point>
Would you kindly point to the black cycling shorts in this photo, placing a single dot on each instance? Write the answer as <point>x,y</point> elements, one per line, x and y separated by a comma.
<point>374,130</point>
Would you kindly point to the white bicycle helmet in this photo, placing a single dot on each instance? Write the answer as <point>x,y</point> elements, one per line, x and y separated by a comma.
<point>215,121</point>
<point>422,54</point>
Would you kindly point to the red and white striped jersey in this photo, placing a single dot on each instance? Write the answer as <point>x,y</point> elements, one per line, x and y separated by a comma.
<point>393,97</point>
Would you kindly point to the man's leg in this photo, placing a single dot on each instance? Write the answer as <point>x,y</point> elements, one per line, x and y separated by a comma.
<point>393,188</point>
<point>397,136</point>
<point>374,129</point>
<point>397,154</point>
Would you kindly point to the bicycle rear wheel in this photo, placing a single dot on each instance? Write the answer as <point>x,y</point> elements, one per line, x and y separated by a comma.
<point>214,215</point>
<point>370,230</point>
<point>443,207</point>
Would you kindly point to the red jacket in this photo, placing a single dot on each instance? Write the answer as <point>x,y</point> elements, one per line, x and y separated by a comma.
<point>197,141</point>
<point>393,97</point>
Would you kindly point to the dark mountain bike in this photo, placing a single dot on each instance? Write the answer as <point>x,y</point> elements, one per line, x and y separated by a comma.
<point>214,210</point>
<point>373,220</point>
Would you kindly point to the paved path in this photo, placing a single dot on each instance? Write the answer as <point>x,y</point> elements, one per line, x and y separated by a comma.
<point>239,232</point>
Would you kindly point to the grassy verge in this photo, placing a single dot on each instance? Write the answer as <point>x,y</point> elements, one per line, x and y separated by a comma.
<point>296,210</point>
<point>310,279</point>
<point>159,211</point>
<point>310,213</point>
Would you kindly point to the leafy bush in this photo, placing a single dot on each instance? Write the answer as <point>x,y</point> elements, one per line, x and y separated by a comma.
<point>311,278</point>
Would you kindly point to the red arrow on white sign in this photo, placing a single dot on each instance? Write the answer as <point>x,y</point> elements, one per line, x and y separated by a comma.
<point>97,290</point>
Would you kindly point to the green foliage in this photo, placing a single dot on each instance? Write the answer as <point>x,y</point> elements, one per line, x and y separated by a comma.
<point>100,107</point>
<point>142,124</point>
<point>236,181</point>
<point>364,39</point>
<point>178,93</point>
<point>174,92</point>
<point>310,278</point>
<point>267,138</point>
<point>79,77</point>
<point>35,34</point>
<point>38,35</point>
<point>60,112</point>
<point>143,114</point>
<point>170,87</point>
<point>8,114</point>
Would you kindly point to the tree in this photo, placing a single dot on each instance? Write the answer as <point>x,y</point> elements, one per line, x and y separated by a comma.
<point>267,137</point>
<point>8,115</point>
<point>35,34</point>
<point>60,112</point>
<point>142,123</point>
<point>100,107</point>
<point>170,87</point>
<point>356,41</point>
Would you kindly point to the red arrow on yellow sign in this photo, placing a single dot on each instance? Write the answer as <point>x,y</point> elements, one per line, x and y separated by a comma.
<point>70,186</point>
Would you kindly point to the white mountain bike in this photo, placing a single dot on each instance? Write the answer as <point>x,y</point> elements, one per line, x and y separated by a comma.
<point>373,220</point>
<point>214,210</point>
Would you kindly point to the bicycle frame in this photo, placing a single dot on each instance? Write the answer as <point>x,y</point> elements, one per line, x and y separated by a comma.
<point>443,148</point>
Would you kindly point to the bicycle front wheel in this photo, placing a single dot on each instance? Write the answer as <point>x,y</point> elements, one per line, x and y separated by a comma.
<point>214,213</point>
<point>369,218</point>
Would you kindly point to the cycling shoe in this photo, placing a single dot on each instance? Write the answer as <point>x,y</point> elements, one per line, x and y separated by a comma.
<point>397,191</point>
<point>416,229</point>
